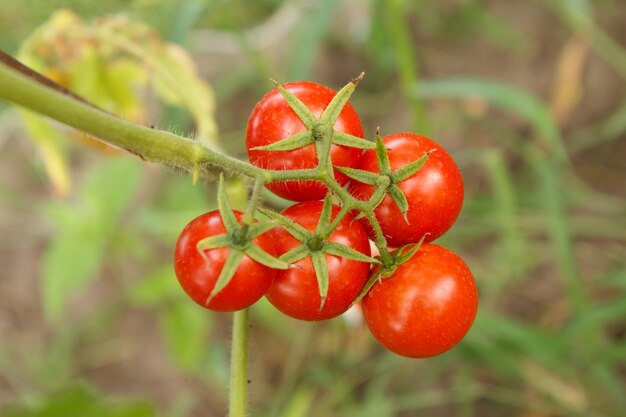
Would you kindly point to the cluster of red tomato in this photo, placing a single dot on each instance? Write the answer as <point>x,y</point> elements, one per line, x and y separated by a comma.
<point>419,308</point>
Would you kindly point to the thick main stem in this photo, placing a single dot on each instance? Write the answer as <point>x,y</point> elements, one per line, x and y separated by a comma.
<point>238,392</point>
<point>149,144</point>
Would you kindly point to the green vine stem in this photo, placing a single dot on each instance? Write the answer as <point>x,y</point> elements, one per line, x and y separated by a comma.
<point>19,85</point>
<point>149,144</point>
<point>23,87</point>
<point>238,392</point>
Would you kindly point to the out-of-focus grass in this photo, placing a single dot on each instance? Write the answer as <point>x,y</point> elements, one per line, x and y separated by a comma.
<point>545,241</point>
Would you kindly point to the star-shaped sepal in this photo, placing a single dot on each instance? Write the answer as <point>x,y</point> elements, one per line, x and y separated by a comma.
<point>399,256</point>
<point>239,238</point>
<point>387,177</point>
<point>316,245</point>
<point>317,130</point>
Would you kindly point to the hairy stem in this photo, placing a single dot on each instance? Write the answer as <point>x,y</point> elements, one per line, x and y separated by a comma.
<point>248,217</point>
<point>149,144</point>
<point>32,91</point>
<point>238,392</point>
<point>381,242</point>
<point>338,218</point>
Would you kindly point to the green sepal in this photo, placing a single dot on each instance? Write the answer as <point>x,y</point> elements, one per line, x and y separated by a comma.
<point>361,215</point>
<point>264,258</point>
<point>304,113</point>
<point>257,229</point>
<point>376,276</point>
<point>410,169</point>
<point>336,105</point>
<point>346,139</point>
<point>295,254</point>
<point>226,212</point>
<point>381,156</point>
<point>227,273</point>
<point>337,249</point>
<point>299,140</point>
<point>406,252</point>
<point>325,215</point>
<point>321,272</point>
<point>366,177</point>
<point>400,255</point>
<point>289,225</point>
<point>400,199</point>
<point>213,242</point>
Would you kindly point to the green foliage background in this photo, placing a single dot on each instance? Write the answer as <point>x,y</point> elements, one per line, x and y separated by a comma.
<point>530,99</point>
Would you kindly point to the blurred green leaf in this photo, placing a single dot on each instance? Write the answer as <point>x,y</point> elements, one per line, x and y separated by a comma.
<point>177,202</point>
<point>512,254</point>
<point>407,63</point>
<point>579,16</point>
<point>88,77</point>
<point>187,13</point>
<point>111,186</point>
<point>122,80</point>
<point>551,175</point>
<point>51,143</point>
<point>612,311</point>
<point>186,327</point>
<point>499,339</point>
<point>79,401</point>
<point>84,227</point>
<point>299,404</point>
<point>499,95</point>
<point>616,277</point>
<point>307,40</point>
<point>68,264</point>
<point>157,289</point>
<point>176,81</point>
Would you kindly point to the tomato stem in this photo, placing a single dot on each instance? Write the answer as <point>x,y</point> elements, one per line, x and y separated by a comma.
<point>238,392</point>
<point>380,240</point>
<point>248,217</point>
<point>19,86</point>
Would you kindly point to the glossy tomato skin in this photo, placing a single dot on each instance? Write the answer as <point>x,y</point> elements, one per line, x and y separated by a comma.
<point>248,285</point>
<point>272,120</point>
<point>434,193</point>
<point>425,307</point>
<point>295,291</point>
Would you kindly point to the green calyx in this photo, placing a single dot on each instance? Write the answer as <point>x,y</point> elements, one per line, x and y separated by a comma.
<point>19,86</point>
<point>398,257</point>
<point>239,238</point>
<point>387,179</point>
<point>318,130</point>
<point>316,244</point>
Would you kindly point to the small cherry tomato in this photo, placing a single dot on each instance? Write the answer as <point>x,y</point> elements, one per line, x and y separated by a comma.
<point>295,291</point>
<point>272,120</point>
<point>434,193</point>
<point>425,307</point>
<point>198,274</point>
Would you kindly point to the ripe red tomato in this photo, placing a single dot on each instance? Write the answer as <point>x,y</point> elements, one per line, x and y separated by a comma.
<point>434,193</point>
<point>272,120</point>
<point>295,291</point>
<point>198,278</point>
<point>425,307</point>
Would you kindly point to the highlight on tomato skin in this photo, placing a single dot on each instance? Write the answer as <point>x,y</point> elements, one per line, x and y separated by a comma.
<point>426,307</point>
<point>197,275</point>
<point>434,193</point>
<point>295,291</point>
<point>272,120</point>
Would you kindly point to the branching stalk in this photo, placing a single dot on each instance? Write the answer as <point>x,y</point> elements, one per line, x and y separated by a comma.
<point>34,92</point>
